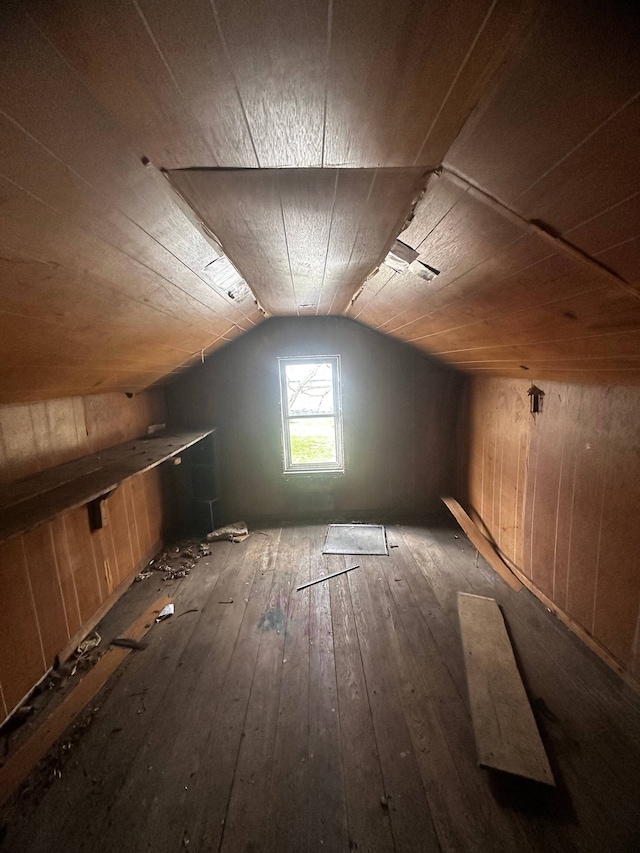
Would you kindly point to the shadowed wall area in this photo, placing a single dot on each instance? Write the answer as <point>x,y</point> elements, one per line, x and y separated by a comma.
<point>399,412</point>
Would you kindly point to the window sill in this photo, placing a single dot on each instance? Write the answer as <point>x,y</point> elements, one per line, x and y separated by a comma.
<point>313,475</point>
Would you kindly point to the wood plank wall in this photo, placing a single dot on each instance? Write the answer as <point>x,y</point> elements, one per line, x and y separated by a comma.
<point>559,495</point>
<point>55,579</point>
<point>399,412</point>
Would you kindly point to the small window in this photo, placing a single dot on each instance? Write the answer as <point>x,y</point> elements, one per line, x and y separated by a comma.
<point>311,414</point>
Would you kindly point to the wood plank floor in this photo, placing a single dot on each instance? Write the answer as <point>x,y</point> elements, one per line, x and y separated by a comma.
<point>333,719</point>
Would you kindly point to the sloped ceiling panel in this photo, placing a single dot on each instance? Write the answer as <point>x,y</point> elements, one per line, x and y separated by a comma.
<point>103,279</point>
<point>304,239</point>
<point>508,299</point>
<point>555,143</point>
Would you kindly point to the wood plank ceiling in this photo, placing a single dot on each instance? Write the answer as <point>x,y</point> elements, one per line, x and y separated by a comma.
<point>306,239</point>
<point>103,283</point>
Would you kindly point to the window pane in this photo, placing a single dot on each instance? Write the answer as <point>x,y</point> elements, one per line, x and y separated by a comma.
<point>310,388</point>
<point>313,441</point>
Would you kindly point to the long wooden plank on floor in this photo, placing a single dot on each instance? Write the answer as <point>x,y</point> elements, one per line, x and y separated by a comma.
<point>19,765</point>
<point>482,543</point>
<point>494,828</point>
<point>507,737</point>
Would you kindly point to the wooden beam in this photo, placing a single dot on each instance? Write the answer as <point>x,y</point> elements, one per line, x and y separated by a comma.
<point>21,763</point>
<point>505,730</point>
<point>482,544</point>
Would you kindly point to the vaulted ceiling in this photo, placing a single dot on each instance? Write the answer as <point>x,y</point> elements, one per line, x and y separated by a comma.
<point>138,135</point>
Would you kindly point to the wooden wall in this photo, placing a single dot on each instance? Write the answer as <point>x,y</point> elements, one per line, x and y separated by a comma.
<point>57,578</point>
<point>399,415</point>
<point>559,495</point>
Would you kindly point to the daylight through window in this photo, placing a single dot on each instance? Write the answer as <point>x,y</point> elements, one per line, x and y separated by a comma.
<point>311,413</point>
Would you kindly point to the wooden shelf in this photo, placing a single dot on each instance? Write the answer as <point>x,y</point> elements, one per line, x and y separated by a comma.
<point>32,501</point>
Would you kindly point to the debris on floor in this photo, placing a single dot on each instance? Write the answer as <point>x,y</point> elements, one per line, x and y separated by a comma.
<point>166,611</point>
<point>89,643</point>
<point>73,707</point>
<point>236,532</point>
<point>142,577</point>
<point>127,643</point>
<point>176,561</point>
<point>326,577</point>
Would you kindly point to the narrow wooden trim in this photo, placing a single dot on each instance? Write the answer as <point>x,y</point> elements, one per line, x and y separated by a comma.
<point>2,699</point>
<point>482,544</point>
<point>107,604</point>
<point>55,560</point>
<point>33,602</point>
<point>20,764</point>
<point>91,623</point>
<point>582,634</point>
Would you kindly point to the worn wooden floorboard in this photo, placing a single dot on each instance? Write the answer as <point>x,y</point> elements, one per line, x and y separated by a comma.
<point>573,707</point>
<point>368,822</point>
<point>248,807</point>
<point>75,808</point>
<point>335,718</point>
<point>158,786</point>
<point>539,634</point>
<point>328,829</point>
<point>479,819</point>
<point>204,812</point>
<point>411,821</point>
<point>287,824</point>
<point>507,736</point>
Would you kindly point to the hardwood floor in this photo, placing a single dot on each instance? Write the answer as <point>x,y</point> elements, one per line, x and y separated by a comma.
<point>333,719</point>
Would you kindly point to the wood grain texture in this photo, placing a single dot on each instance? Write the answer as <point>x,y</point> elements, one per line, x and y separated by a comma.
<point>81,207</point>
<point>513,96</point>
<point>62,489</point>
<point>14,771</point>
<point>549,492</point>
<point>482,544</point>
<point>304,239</point>
<point>300,707</point>
<point>505,729</point>
<point>508,299</point>
<point>58,576</point>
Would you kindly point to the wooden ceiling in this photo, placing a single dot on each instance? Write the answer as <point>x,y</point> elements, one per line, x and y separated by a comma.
<point>555,143</point>
<point>306,239</point>
<point>103,283</point>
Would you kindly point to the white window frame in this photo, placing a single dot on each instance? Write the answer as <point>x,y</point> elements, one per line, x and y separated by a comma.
<point>310,467</point>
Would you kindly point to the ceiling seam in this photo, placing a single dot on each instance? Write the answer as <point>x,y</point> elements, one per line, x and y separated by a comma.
<point>532,227</point>
<point>596,130</point>
<point>326,257</point>
<point>455,79</point>
<point>326,79</point>
<point>227,54</point>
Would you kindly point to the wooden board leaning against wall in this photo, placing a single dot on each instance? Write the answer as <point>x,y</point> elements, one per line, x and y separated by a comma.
<point>56,580</point>
<point>557,493</point>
